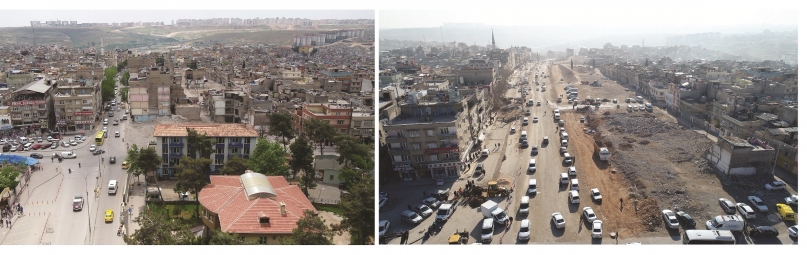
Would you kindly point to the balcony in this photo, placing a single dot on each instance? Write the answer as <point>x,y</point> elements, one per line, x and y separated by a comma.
<point>176,144</point>
<point>235,145</point>
<point>448,134</point>
<point>175,155</point>
<point>219,146</point>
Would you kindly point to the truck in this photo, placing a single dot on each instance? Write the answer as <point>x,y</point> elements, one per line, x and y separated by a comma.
<point>490,209</point>
<point>604,153</point>
<point>445,211</point>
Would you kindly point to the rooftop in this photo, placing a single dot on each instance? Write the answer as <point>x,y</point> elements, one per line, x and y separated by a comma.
<point>211,130</point>
<point>239,213</point>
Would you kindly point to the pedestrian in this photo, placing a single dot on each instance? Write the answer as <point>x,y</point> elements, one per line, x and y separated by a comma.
<point>79,165</point>
<point>51,159</point>
<point>21,210</point>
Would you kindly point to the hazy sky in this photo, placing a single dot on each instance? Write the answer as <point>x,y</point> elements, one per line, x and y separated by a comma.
<point>606,14</point>
<point>24,17</point>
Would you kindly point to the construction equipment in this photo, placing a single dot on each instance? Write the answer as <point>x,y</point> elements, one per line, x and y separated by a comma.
<point>494,190</point>
<point>459,237</point>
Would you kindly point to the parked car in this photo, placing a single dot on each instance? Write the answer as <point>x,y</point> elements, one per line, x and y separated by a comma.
<point>777,185</point>
<point>534,150</point>
<point>757,203</point>
<point>383,226</point>
<point>763,231</point>
<point>746,211</point>
<point>73,143</point>
<point>793,231</point>
<point>792,200</point>
<point>423,210</point>
<point>564,178</point>
<point>381,202</point>
<point>92,147</point>
<point>727,206</point>
<point>572,171</point>
<point>54,145</point>
<point>432,202</point>
<point>36,156</point>
<point>588,213</point>
<point>596,229</point>
<point>669,219</point>
<point>524,231</point>
<point>685,220</point>
<point>596,195</point>
<point>557,220</point>
<point>411,217</point>
<point>36,146</point>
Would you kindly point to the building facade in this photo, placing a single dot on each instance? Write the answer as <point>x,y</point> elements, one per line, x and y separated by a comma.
<point>231,140</point>
<point>76,107</point>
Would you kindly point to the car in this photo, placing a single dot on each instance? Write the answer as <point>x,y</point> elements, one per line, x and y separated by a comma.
<point>73,143</point>
<point>792,200</point>
<point>65,144</point>
<point>669,219</point>
<point>563,150</point>
<point>746,211</point>
<point>757,203</point>
<point>383,226</point>
<point>36,156</point>
<point>534,119</point>
<point>13,148</point>
<point>92,147</point>
<point>125,117</point>
<point>39,139</point>
<point>684,219</point>
<point>99,152</point>
<point>528,112</point>
<point>763,231</point>
<point>588,213</point>
<point>538,103</point>
<point>381,202</point>
<point>112,160</point>
<point>411,217</point>
<point>109,216</point>
<point>54,145</point>
<point>105,129</point>
<point>727,206</point>
<point>106,121</point>
<point>574,197</point>
<point>125,165</point>
<point>51,139</point>
<point>432,202</point>
<point>36,146</point>
<point>561,123</point>
<point>524,231</point>
<point>777,185</point>
<point>525,144</point>
<point>534,150</point>
<point>115,122</point>
<point>423,210</point>
<point>793,231</point>
<point>546,140</point>
<point>596,229</point>
<point>111,113</point>
<point>20,147</point>
<point>596,195</point>
<point>532,187</point>
<point>582,119</point>
<point>78,202</point>
<point>564,178</point>
<point>572,171</point>
<point>575,184</point>
<point>557,220</point>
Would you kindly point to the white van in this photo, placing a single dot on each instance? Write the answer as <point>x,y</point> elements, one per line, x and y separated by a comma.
<point>524,207</point>
<point>68,154</point>
<point>28,146</point>
<point>24,140</point>
<point>112,187</point>
<point>726,222</point>
<point>648,107</point>
<point>531,166</point>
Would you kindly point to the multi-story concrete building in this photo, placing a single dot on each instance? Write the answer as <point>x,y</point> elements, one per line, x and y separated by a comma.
<point>231,140</point>
<point>76,106</point>
<point>150,97</point>
<point>363,126</point>
<point>18,78</point>
<point>229,106</point>
<point>337,113</point>
<point>476,73</point>
<point>31,107</point>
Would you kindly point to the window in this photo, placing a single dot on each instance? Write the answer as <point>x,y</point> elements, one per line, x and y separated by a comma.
<point>165,150</point>
<point>419,158</point>
<point>331,177</point>
<point>429,132</point>
<point>86,101</point>
<point>220,140</point>
<point>405,157</point>
<point>246,150</point>
<point>235,140</point>
<point>433,158</point>
<point>447,156</point>
<point>218,161</point>
<point>444,130</point>
<point>176,150</point>
<point>247,140</point>
<point>176,139</point>
<point>264,220</point>
<point>262,240</point>
<point>219,150</point>
<point>445,142</point>
<point>165,160</point>
<point>340,122</point>
<point>15,109</point>
<point>431,145</point>
<point>68,117</point>
<point>368,123</point>
<point>357,124</point>
<point>165,140</point>
<point>343,131</point>
<point>26,115</point>
<point>414,133</point>
<point>234,151</point>
<point>338,113</point>
<point>416,146</point>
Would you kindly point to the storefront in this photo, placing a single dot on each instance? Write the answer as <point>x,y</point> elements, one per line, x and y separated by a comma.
<point>442,170</point>
<point>406,172</point>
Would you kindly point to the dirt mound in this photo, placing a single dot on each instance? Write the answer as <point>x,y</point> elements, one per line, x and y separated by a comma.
<point>566,73</point>
<point>625,147</point>
<point>648,210</point>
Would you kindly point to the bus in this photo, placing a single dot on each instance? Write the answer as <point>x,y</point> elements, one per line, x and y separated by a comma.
<point>99,138</point>
<point>708,237</point>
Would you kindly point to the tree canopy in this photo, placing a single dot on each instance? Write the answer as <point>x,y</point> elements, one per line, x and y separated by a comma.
<point>320,131</point>
<point>269,158</point>
<point>302,160</point>
<point>8,177</point>
<point>159,229</point>
<point>235,166</point>
<point>359,210</point>
<point>192,176</point>
<point>148,161</point>
<point>200,146</point>
<point>280,125</point>
<point>311,230</point>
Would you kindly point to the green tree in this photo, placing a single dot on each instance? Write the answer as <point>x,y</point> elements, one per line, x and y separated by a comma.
<point>132,156</point>
<point>193,65</point>
<point>124,79</point>
<point>280,125</point>
<point>269,158</point>
<point>148,161</point>
<point>359,210</point>
<point>351,175</point>
<point>110,73</point>
<point>314,51</point>
<point>310,230</point>
<point>159,61</point>
<point>158,229</point>
<point>200,146</point>
<point>192,176</point>
<point>8,177</point>
<point>122,65</point>
<point>223,238</point>
<point>320,131</point>
<point>235,166</point>
<point>124,95</point>
<point>350,150</point>
<point>302,159</point>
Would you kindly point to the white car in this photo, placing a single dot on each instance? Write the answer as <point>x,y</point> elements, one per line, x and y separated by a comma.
<point>73,142</point>
<point>533,187</point>
<point>65,144</point>
<point>51,139</point>
<point>106,121</point>
<point>411,217</point>
<point>792,200</point>
<point>524,231</point>
<point>117,134</point>
<point>382,201</point>
<point>534,119</point>
<point>746,211</point>
<point>793,231</point>
<point>572,171</point>
<point>383,226</point>
<point>487,230</point>
<point>596,229</point>
<point>575,185</point>
<point>588,213</point>
<point>557,220</point>
<point>777,185</point>
<point>596,195</point>
<point>423,210</point>
<point>432,202</point>
<point>757,202</point>
<point>574,197</point>
<point>669,219</point>
<point>564,178</point>
<point>92,147</point>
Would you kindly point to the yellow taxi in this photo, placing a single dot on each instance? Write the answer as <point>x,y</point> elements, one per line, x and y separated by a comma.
<point>124,165</point>
<point>108,216</point>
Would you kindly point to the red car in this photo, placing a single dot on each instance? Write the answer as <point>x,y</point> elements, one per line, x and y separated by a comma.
<point>36,146</point>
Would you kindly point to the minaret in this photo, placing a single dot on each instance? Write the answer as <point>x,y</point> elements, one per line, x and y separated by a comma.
<point>492,39</point>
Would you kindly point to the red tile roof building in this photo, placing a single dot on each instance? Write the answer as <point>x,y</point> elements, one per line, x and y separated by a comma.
<point>253,206</point>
